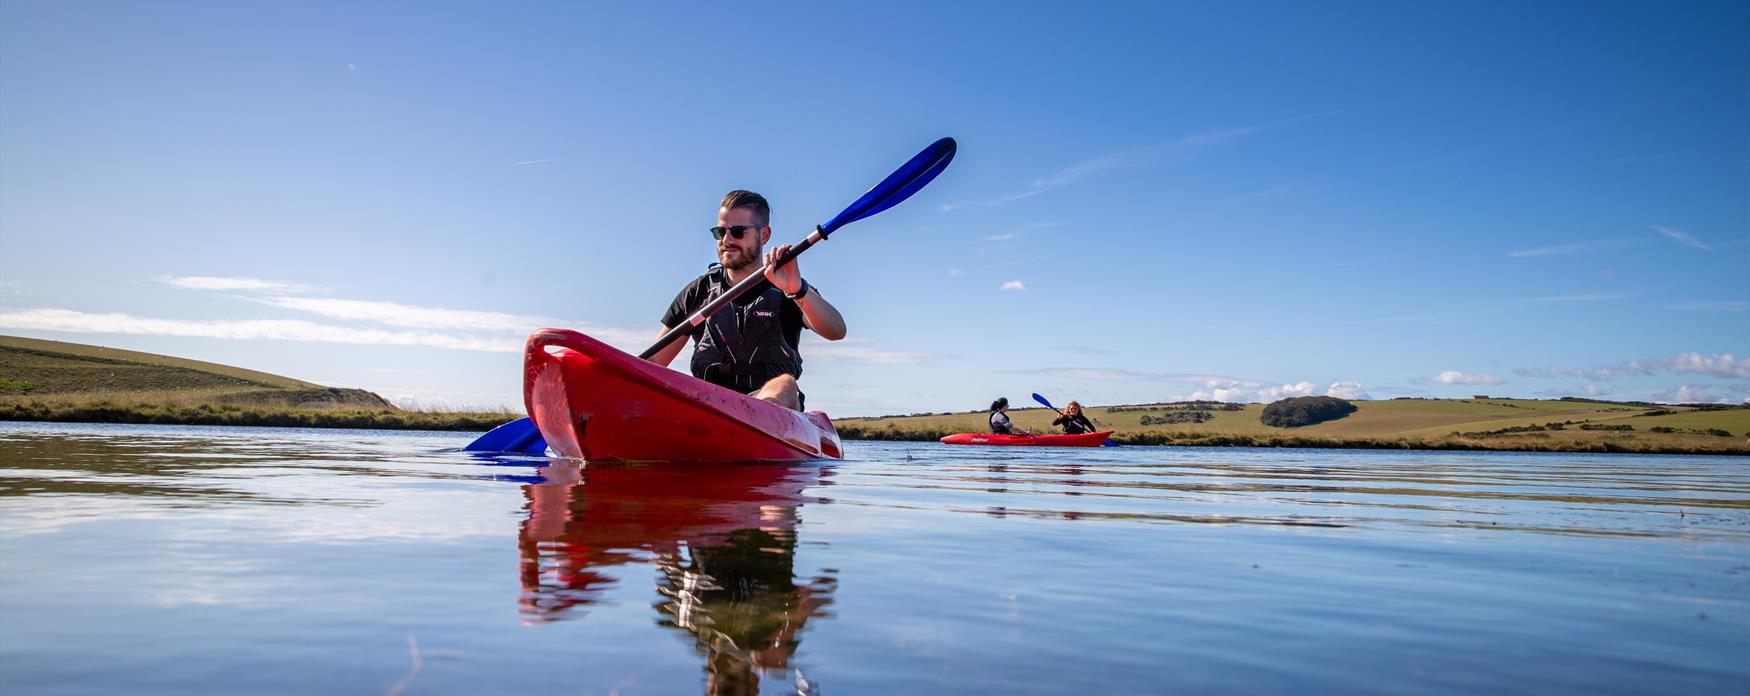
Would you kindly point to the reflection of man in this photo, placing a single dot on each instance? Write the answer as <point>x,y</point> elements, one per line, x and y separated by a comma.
<point>751,345</point>
<point>733,588</point>
<point>739,600</point>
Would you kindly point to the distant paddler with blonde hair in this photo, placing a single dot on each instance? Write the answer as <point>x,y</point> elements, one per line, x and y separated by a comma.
<point>1072,421</point>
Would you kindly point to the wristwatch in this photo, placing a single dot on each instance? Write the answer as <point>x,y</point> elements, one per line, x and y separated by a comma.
<point>799,293</point>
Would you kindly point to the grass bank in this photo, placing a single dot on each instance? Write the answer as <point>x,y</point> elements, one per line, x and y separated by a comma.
<point>104,411</point>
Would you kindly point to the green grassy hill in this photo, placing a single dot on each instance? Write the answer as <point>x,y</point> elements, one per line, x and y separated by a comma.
<point>53,370</point>
<point>56,381</point>
<point>1516,424</point>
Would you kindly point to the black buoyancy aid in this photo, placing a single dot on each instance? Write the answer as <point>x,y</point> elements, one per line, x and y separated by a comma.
<point>1077,425</point>
<point>742,346</point>
<point>1000,429</point>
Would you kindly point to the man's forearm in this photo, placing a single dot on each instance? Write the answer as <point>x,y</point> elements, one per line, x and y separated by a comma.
<point>822,317</point>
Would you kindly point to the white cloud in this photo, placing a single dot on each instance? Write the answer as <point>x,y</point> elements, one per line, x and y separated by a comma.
<point>955,273</point>
<point>534,161</point>
<point>1718,365</point>
<point>1720,306</point>
<point>1591,390</point>
<point>1014,285</point>
<point>1547,251</point>
<point>1456,377</point>
<point>1562,249</point>
<point>1721,365</point>
<point>1135,157</point>
<point>1592,297</point>
<point>1691,394</point>
<point>857,350</point>
<point>1113,375</point>
<point>1251,392</point>
<point>1213,387</point>
<point>1347,390</point>
<point>1287,390</point>
<point>416,317</point>
<point>274,330</point>
<point>1087,350</point>
<point>1102,374</point>
<point>233,283</point>
<point>410,316</point>
<point>1000,237</point>
<point>1682,237</point>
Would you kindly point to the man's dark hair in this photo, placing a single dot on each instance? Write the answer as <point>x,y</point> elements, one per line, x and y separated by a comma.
<point>762,213</point>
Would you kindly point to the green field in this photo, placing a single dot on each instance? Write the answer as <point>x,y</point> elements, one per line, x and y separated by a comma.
<point>1412,423</point>
<point>56,381</point>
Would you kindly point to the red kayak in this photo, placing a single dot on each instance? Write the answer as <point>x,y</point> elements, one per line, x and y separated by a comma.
<point>1082,440</point>
<point>596,403</point>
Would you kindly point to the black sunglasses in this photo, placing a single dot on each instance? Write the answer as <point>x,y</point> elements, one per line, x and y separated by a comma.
<point>733,232</point>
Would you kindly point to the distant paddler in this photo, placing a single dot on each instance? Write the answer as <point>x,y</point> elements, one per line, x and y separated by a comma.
<point>1072,421</point>
<point>999,419</point>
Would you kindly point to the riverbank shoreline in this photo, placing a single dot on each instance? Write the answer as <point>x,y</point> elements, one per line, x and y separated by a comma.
<point>482,422</point>
<point>1527,442</point>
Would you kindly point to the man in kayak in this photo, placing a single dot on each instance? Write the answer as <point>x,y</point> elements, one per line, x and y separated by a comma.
<point>751,345</point>
<point>999,419</point>
<point>1072,421</point>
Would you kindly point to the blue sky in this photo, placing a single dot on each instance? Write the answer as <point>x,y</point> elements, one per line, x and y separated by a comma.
<point>1151,202</point>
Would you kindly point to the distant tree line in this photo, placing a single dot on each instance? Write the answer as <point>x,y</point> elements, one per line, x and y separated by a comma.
<point>1181,406</point>
<point>1533,428</point>
<point>1173,417</point>
<point>1297,411</point>
<point>1720,432</point>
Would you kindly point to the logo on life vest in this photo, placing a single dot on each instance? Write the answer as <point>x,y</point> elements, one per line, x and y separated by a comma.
<point>762,313</point>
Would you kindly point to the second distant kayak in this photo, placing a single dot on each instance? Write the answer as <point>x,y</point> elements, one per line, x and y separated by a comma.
<point>1082,440</point>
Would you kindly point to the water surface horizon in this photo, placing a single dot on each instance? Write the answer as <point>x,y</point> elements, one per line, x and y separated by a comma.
<point>218,560</point>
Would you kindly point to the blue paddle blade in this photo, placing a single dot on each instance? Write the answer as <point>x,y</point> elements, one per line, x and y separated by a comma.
<point>908,179</point>
<point>1043,402</point>
<point>1109,443</point>
<point>519,435</point>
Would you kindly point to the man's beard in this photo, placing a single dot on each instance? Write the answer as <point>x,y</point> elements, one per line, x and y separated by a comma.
<point>747,260</point>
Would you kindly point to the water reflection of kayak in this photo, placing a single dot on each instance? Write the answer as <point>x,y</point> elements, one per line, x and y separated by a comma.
<point>593,402</point>
<point>723,538</point>
<point>1082,440</point>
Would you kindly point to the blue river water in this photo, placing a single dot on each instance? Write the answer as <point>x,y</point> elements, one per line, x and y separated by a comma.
<point>142,559</point>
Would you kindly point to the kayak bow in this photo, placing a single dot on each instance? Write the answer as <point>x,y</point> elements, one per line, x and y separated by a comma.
<point>593,402</point>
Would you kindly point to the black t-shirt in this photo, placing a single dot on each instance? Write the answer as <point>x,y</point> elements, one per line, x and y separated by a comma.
<point>697,293</point>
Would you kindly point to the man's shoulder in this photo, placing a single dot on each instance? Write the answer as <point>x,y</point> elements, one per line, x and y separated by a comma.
<point>704,280</point>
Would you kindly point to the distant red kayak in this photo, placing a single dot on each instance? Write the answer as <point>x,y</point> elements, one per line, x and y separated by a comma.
<point>1082,440</point>
<point>593,402</point>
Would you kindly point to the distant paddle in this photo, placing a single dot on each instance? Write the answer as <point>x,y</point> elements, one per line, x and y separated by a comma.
<point>1042,400</point>
<point>908,179</point>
